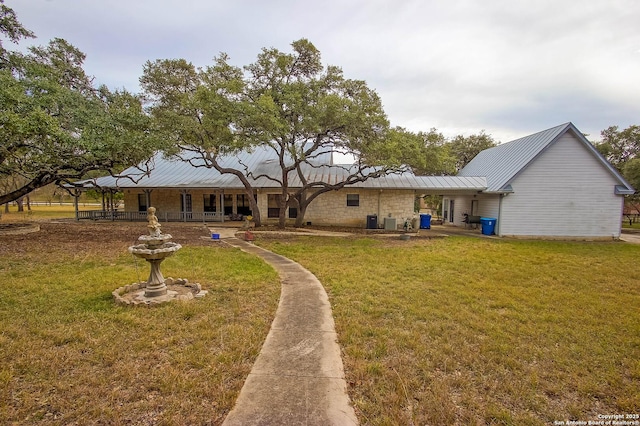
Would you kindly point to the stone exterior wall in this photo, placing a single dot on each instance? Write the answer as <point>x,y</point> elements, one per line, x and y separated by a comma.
<point>331,208</point>
<point>328,209</point>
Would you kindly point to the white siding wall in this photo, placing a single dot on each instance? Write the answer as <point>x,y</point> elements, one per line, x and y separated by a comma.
<point>565,192</point>
<point>489,206</point>
<point>462,205</point>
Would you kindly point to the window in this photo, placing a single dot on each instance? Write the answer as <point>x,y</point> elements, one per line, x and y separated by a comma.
<point>273,209</point>
<point>242,201</point>
<point>228,204</point>
<point>186,199</point>
<point>293,212</point>
<point>142,202</point>
<point>353,200</point>
<point>210,202</point>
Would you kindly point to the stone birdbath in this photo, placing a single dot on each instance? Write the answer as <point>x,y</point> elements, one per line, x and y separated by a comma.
<point>154,248</point>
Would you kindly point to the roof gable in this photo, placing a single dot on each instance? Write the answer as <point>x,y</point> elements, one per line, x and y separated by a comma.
<point>503,163</point>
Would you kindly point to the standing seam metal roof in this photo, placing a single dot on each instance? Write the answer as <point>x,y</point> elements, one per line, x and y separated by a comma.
<point>175,173</point>
<point>501,164</point>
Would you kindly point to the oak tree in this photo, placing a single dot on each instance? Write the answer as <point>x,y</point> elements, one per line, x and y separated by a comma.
<point>55,126</point>
<point>289,104</point>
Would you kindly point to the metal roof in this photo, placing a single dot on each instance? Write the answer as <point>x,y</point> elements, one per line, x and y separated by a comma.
<point>501,164</point>
<point>263,164</point>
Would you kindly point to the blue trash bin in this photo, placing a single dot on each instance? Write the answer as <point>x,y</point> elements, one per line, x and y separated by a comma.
<point>425,221</point>
<point>488,225</point>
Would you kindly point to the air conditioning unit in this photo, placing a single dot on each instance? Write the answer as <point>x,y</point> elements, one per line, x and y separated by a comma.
<point>390,224</point>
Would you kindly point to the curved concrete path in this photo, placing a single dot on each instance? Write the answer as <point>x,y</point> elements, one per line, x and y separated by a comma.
<point>298,378</point>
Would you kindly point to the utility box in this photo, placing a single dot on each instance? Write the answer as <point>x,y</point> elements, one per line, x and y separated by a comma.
<point>372,221</point>
<point>390,224</point>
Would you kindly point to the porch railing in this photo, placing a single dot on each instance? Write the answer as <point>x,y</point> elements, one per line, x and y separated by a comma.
<point>142,216</point>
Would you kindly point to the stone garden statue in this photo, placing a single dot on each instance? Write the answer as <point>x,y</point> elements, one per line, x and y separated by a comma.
<point>154,225</point>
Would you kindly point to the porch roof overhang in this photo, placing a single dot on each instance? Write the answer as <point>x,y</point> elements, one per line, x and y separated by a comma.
<point>420,184</point>
<point>180,175</point>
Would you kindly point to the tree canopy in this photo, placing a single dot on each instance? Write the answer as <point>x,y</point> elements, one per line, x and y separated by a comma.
<point>465,148</point>
<point>288,103</point>
<point>55,126</point>
<point>442,156</point>
<point>620,146</point>
<point>10,27</point>
<point>622,149</point>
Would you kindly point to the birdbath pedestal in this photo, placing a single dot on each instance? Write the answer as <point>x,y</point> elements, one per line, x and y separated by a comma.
<point>154,249</point>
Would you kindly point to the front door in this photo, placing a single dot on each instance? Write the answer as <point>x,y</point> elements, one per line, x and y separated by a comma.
<point>445,209</point>
<point>186,206</point>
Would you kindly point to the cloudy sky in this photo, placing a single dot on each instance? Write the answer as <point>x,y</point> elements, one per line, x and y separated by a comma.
<point>509,67</point>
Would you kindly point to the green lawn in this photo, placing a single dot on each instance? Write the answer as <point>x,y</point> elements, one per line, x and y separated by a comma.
<point>71,356</point>
<point>42,212</point>
<point>474,331</point>
<point>444,331</point>
<point>634,225</point>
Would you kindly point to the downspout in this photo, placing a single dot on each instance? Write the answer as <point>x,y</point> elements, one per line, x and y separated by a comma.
<point>499,224</point>
<point>379,207</point>
<point>620,221</point>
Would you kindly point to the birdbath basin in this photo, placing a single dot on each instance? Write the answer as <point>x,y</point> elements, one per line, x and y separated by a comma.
<point>155,249</point>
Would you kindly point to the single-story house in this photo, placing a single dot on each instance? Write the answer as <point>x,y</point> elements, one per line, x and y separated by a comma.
<point>184,190</point>
<point>552,184</point>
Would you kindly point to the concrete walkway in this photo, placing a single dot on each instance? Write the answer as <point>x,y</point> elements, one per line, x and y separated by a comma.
<point>298,378</point>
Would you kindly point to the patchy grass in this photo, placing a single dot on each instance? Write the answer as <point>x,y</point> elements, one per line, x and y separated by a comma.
<point>71,356</point>
<point>473,331</point>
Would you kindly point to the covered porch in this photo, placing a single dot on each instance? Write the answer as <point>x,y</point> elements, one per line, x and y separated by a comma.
<point>174,205</point>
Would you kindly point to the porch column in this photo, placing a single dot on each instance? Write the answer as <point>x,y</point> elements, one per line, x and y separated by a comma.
<point>76,195</point>
<point>183,194</point>
<point>112,206</point>
<point>222,205</point>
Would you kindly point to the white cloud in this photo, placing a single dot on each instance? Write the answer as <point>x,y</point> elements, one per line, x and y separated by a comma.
<point>509,67</point>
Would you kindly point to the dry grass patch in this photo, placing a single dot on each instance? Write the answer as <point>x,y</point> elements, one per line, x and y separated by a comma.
<point>474,331</point>
<point>71,356</point>
<point>42,212</point>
